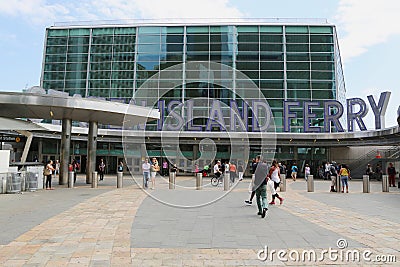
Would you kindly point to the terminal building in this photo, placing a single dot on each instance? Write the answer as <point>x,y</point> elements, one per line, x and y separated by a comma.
<point>151,63</point>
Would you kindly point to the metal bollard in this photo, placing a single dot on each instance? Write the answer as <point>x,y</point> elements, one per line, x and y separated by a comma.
<point>226,181</point>
<point>172,178</point>
<point>94,179</point>
<point>4,185</point>
<point>282,186</point>
<point>385,183</point>
<point>199,181</point>
<point>338,184</point>
<point>119,179</point>
<point>310,183</point>
<point>71,179</point>
<point>366,184</point>
<point>23,181</point>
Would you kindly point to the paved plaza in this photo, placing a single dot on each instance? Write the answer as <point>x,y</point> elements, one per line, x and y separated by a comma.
<point>187,227</point>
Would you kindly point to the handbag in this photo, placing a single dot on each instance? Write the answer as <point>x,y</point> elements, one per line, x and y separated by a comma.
<point>46,172</point>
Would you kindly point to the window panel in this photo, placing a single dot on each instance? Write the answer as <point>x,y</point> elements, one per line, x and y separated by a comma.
<point>296,29</point>
<point>322,66</point>
<point>271,47</point>
<point>78,75</point>
<point>268,84</point>
<point>76,67</point>
<point>271,65</point>
<point>197,47</point>
<point>196,39</point>
<point>298,65</point>
<point>247,65</point>
<point>323,85</point>
<point>56,49</point>
<point>56,58</point>
<point>297,47</point>
<point>248,38</point>
<point>72,84</point>
<point>318,75</point>
<point>321,48</point>
<point>271,75</point>
<point>273,94</point>
<point>104,39</point>
<point>322,57</point>
<point>78,49</point>
<point>298,57</point>
<point>124,31</point>
<point>297,38</point>
<point>321,39</point>
<point>322,94</point>
<point>296,94</point>
<point>57,41</point>
<point>298,85</point>
<point>298,75</point>
<point>271,38</point>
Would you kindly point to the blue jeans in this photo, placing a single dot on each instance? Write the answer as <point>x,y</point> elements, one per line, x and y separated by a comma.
<point>146,176</point>
<point>261,197</point>
<point>344,180</point>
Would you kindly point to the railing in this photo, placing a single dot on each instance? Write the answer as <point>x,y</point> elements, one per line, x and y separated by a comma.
<point>359,166</point>
<point>211,21</point>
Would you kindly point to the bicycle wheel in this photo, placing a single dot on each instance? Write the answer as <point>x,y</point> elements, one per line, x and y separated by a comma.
<point>214,181</point>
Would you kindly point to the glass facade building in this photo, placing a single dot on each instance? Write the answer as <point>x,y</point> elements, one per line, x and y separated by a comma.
<point>287,61</point>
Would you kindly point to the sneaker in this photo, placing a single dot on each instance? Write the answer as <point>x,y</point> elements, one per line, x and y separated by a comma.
<point>259,213</point>
<point>264,213</point>
<point>272,203</point>
<point>248,202</point>
<point>281,201</point>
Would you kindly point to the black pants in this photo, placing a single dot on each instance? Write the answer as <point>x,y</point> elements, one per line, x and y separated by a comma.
<point>276,185</point>
<point>101,173</point>
<point>48,181</point>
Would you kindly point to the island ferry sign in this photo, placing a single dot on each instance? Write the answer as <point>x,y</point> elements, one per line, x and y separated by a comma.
<point>334,112</point>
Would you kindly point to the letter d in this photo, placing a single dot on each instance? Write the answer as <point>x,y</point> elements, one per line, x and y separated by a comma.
<point>263,251</point>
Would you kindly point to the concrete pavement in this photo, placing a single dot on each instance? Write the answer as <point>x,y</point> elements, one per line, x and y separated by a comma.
<point>187,227</point>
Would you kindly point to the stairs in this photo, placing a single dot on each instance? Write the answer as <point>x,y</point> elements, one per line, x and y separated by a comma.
<point>358,166</point>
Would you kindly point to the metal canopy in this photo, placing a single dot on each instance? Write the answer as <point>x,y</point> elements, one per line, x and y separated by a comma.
<point>38,106</point>
<point>7,124</point>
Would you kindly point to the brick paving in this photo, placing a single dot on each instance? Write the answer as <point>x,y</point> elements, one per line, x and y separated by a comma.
<point>99,230</point>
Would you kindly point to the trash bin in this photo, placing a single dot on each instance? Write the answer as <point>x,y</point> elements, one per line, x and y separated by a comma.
<point>31,181</point>
<point>14,183</point>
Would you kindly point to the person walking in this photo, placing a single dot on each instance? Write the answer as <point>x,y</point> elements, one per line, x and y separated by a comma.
<point>369,171</point>
<point>240,171</point>
<point>165,168</point>
<point>306,172</point>
<point>146,172</point>
<point>391,171</point>
<point>274,174</point>
<point>260,187</point>
<point>294,171</point>
<point>254,165</point>
<point>48,172</point>
<point>102,168</point>
<point>344,177</point>
<point>57,171</point>
<point>154,168</point>
<point>232,171</point>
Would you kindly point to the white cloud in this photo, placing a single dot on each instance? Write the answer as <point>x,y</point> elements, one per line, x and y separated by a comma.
<point>48,12</point>
<point>366,23</point>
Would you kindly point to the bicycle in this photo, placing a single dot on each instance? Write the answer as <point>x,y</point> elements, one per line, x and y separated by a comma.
<point>215,181</point>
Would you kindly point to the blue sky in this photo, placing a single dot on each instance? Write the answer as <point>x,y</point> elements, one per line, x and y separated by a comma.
<point>369,35</point>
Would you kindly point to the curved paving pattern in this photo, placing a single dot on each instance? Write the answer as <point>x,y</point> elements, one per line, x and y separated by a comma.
<point>102,231</point>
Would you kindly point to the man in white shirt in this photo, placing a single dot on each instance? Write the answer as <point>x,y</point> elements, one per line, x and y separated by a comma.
<point>146,172</point>
<point>217,168</point>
